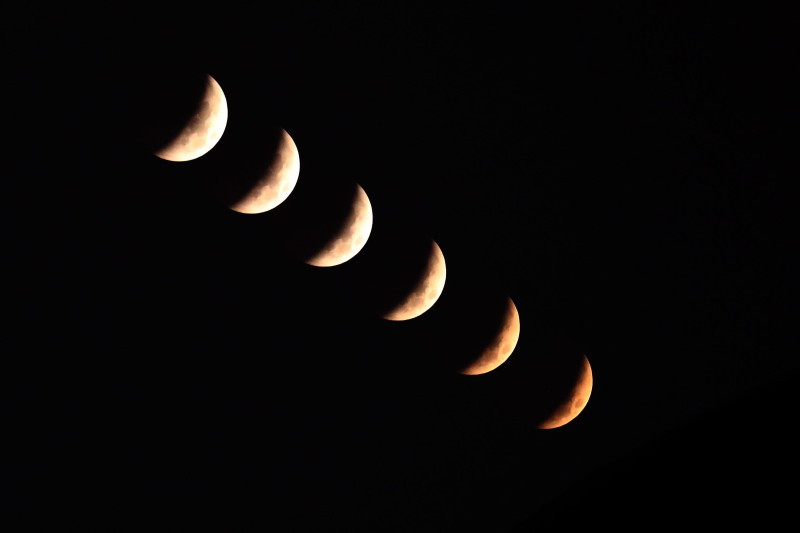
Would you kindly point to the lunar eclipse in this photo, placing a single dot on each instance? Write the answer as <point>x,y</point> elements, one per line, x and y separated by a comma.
<point>200,127</point>
<point>401,275</point>
<point>189,242</point>
<point>499,348</point>
<point>267,169</point>
<point>575,399</point>
<point>475,325</point>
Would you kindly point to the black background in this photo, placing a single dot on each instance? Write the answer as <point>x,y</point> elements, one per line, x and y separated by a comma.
<point>621,172</point>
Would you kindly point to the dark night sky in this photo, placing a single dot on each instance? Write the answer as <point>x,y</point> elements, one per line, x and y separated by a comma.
<point>619,171</point>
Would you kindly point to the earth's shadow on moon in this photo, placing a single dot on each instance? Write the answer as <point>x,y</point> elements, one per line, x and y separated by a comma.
<point>315,214</point>
<point>167,99</point>
<point>391,266</point>
<point>244,159</point>
<point>468,318</point>
<point>532,386</point>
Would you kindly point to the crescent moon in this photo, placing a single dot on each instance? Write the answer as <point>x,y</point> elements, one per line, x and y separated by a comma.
<point>426,292</point>
<point>351,237</point>
<point>203,130</point>
<point>275,183</point>
<point>575,403</point>
<point>498,351</point>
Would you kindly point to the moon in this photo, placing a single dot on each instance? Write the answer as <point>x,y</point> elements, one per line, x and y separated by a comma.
<point>575,402</point>
<point>271,183</point>
<point>203,129</point>
<point>426,292</point>
<point>501,346</point>
<point>351,236</point>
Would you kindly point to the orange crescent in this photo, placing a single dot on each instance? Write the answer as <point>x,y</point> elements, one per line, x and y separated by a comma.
<point>500,349</point>
<point>426,292</point>
<point>579,397</point>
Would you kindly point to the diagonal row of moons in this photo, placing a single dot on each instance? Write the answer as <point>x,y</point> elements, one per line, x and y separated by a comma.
<point>277,182</point>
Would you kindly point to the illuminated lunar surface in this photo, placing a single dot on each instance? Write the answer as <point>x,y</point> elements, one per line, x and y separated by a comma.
<point>426,292</point>
<point>351,237</point>
<point>269,189</point>
<point>498,351</point>
<point>203,130</point>
<point>578,398</point>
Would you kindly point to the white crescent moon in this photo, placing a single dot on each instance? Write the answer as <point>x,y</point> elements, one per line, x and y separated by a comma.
<point>351,237</point>
<point>203,130</point>
<point>426,292</point>
<point>277,181</point>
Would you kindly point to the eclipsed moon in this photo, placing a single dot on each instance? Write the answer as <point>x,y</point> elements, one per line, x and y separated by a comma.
<point>203,129</point>
<point>271,184</point>
<point>351,236</point>
<point>426,292</point>
<point>575,402</point>
<point>501,346</point>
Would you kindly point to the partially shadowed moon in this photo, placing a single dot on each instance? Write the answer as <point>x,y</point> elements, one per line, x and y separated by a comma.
<point>500,346</point>
<point>401,272</point>
<point>350,236</point>
<point>426,291</point>
<point>574,402</point>
<point>545,386</point>
<point>263,178</point>
<point>473,328</point>
<point>194,135</point>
